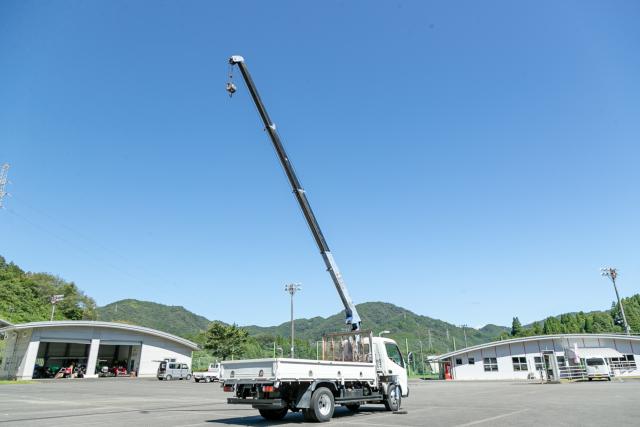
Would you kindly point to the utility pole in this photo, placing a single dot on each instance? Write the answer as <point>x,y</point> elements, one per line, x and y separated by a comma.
<point>422,357</point>
<point>430,343</point>
<point>54,300</point>
<point>454,343</point>
<point>464,331</point>
<point>291,289</point>
<point>612,273</point>
<point>406,343</point>
<point>4,171</point>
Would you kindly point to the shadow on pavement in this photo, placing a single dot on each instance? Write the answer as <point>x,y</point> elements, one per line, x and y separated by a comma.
<point>295,417</point>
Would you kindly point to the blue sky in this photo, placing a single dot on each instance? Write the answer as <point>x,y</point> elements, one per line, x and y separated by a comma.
<point>470,161</point>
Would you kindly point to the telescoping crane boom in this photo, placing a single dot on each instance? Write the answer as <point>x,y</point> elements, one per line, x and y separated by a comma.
<point>352,316</point>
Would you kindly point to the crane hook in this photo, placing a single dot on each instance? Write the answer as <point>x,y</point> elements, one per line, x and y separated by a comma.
<point>231,88</point>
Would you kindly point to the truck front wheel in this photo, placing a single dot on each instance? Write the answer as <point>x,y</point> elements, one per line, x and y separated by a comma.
<point>393,400</point>
<point>273,414</point>
<point>322,406</point>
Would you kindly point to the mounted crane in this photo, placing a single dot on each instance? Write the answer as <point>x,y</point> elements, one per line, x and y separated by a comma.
<point>352,316</point>
<point>355,367</point>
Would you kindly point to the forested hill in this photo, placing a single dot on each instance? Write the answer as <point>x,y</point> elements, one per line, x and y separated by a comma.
<point>401,323</point>
<point>24,296</point>
<point>176,320</point>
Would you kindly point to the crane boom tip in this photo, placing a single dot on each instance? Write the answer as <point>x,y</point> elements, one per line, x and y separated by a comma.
<point>235,59</point>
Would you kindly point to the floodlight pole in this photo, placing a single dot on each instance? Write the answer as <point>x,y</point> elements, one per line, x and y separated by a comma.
<point>612,273</point>
<point>54,300</point>
<point>291,289</point>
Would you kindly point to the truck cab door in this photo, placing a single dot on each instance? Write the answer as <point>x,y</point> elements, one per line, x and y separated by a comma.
<point>394,364</point>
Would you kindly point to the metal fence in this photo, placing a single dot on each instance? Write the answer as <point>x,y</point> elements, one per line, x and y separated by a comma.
<point>572,372</point>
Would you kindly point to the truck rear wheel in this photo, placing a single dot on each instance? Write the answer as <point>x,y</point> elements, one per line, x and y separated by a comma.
<point>394,398</point>
<point>273,414</point>
<point>322,405</point>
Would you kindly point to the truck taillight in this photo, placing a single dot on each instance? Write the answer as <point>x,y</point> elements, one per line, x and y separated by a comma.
<point>268,388</point>
<point>228,388</point>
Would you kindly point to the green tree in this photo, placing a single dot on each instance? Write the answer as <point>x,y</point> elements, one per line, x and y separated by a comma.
<point>516,327</point>
<point>552,326</point>
<point>537,328</point>
<point>225,341</point>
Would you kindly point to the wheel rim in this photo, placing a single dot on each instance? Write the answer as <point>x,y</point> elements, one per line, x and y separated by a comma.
<point>395,398</point>
<point>324,405</point>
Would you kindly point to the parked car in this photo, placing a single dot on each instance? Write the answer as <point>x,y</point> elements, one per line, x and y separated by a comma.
<point>597,367</point>
<point>173,371</point>
<point>212,374</point>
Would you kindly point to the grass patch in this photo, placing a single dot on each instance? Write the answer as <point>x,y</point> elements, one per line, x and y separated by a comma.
<point>15,382</point>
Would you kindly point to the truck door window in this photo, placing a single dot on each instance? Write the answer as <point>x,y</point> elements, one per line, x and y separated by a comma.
<point>394,353</point>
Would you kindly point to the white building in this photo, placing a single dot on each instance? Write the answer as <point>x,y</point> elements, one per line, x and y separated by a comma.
<point>528,357</point>
<point>88,343</point>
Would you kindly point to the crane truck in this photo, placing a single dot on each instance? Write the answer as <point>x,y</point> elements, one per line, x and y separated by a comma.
<point>356,367</point>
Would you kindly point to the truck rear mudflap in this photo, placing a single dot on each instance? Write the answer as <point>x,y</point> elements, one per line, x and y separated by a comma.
<point>258,403</point>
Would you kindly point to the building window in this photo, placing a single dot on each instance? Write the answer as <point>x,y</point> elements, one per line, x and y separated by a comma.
<point>561,361</point>
<point>458,361</point>
<point>472,361</point>
<point>538,362</point>
<point>490,364</point>
<point>519,363</point>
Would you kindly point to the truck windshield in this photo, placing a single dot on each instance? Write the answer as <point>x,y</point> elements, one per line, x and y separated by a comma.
<point>394,353</point>
<point>595,362</point>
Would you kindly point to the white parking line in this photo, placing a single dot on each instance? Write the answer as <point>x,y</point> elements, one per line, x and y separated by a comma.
<point>485,420</point>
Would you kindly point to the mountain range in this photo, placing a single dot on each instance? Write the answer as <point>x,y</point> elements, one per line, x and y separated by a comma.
<point>403,325</point>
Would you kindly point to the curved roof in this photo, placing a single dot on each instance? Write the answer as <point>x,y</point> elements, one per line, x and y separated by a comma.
<point>534,338</point>
<point>98,324</point>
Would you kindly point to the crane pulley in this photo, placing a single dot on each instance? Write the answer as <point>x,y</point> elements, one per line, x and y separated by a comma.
<point>352,317</point>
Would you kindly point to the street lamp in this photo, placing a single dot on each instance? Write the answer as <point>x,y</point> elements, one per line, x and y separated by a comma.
<point>54,300</point>
<point>291,289</point>
<point>381,333</point>
<point>612,273</point>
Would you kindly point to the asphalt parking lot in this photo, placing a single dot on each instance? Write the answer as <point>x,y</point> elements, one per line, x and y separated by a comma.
<point>124,402</point>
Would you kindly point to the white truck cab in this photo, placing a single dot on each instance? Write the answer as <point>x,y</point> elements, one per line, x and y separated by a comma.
<point>391,361</point>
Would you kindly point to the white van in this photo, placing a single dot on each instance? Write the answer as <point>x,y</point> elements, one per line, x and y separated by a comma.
<point>173,371</point>
<point>597,367</point>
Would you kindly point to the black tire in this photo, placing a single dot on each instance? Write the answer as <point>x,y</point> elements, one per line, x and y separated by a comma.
<point>394,398</point>
<point>188,377</point>
<point>208,380</point>
<point>590,379</point>
<point>322,405</point>
<point>273,414</point>
<point>168,378</point>
<point>353,407</point>
<point>609,378</point>
<point>197,380</point>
